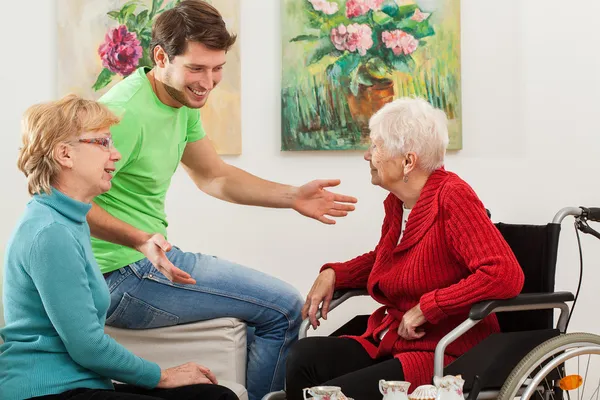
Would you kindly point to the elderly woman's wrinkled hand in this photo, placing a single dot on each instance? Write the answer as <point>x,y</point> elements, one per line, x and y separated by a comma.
<point>411,321</point>
<point>321,292</point>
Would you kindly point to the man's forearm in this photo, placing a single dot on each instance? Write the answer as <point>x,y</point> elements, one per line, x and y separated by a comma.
<point>240,187</point>
<point>106,227</point>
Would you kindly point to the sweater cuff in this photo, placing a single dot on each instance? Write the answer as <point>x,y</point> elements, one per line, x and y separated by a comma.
<point>343,279</point>
<point>431,310</point>
<point>150,375</point>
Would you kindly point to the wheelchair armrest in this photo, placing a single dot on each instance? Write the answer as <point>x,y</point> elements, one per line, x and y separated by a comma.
<point>347,293</point>
<point>339,296</point>
<point>528,301</point>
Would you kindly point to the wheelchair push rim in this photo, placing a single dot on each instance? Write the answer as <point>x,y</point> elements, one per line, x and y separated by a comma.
<point>548,358</point>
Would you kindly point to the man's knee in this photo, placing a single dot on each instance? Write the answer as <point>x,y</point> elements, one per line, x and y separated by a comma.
<point>298,303</point>
<point>293,304</point>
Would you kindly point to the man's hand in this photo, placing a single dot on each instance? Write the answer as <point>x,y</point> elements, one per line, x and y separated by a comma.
<point>321,292</point>
<point>155,248</point>
<point>411,321</point>
<point>312,200</point>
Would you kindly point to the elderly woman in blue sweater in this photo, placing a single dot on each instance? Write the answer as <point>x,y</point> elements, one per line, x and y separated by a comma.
<point>55,298</point>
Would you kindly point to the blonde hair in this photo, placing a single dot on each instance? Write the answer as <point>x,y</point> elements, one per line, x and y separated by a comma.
<point>46,125</point>
<point>412,124</point>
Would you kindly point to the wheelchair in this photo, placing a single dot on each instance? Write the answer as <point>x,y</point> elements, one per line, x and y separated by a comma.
<point>530,357</point>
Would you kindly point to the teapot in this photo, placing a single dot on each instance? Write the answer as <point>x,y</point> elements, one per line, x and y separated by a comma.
<point>324,393</point>
<point>394,390</point>
<point>449,387</point>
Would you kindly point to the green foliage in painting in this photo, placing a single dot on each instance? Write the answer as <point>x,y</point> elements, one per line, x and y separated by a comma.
<point>375,36</point>
<point>344,59</point>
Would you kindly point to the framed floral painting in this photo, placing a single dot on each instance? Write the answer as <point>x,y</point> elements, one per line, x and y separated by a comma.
<point>344,59</point>
<point>102,42</point>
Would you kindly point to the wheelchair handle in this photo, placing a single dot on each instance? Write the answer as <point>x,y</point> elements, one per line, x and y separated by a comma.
<point>591,214</point>
<point>565,212</point>
<point>586,213</point>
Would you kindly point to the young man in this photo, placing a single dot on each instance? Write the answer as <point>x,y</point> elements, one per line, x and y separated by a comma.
<point>160,127</point>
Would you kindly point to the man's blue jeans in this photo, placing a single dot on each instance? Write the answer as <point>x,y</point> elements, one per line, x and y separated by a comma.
<point>141,297</point>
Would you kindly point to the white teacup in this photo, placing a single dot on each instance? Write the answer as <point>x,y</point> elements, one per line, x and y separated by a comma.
<point>324,393</point>
<point>394,390</point>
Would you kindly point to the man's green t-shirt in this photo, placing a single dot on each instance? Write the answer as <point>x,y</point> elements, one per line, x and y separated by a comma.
<point>151,138</point>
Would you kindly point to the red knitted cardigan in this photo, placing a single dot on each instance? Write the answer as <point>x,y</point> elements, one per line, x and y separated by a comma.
<point>451,256</point>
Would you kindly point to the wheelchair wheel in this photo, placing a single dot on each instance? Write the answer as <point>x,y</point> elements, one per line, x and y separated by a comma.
<point>554,369</point>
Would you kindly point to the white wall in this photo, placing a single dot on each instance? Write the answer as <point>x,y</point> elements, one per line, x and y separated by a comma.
<point>530,87</point>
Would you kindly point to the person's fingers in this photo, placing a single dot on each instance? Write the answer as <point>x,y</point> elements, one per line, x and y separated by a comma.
<point>173,273</point>
<point>209,374</point>
<point>325,307</point>
<point>305,308</point>
<point>161,242</point>
<point>343,207</point>
<point>183,280</point>
<point>323,183</point>
<point>413,334</point>
<point>343,198</point>
<point>336,213</point>
<point>203,379</point>
<point>312,313</point>
<point>180,276</point>
<point>326,220</point>
<point>405,334</point>
<point>401,329</point>
<point>165,270</point>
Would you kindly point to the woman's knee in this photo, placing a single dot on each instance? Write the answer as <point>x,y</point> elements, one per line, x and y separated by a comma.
<point>202,391</point>
<point>302,354</point>
<point>227,394</point>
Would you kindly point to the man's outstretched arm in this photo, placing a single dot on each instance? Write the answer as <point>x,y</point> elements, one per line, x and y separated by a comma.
<point>226,182</point>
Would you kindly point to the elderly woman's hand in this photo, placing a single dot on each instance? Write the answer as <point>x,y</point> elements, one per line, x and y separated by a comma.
<point>411,321</point>
<point>321,292</point>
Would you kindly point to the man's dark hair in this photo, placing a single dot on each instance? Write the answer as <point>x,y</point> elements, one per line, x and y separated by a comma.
<point>190,20</point>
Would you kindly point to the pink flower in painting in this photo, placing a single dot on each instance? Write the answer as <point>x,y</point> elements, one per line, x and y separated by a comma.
<point>420,16</point>
<point>375,4</point>
<point>338,37</point>
<point>360,38</point>
<point>324,6</point>
<point>400,42</point>
<point>121,51</point>
<point>354,37</point>
<point>356,8</point>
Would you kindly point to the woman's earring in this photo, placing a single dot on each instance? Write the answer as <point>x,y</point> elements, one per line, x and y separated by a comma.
<point>405,179</point>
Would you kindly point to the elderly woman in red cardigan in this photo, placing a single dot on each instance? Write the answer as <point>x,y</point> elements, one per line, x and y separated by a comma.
<point>438,254</point>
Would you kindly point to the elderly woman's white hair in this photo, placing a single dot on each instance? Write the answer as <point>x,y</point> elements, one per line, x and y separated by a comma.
<point>412,124</point>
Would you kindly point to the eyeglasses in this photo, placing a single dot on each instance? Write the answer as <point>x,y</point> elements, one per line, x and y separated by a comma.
<point>104,142</point>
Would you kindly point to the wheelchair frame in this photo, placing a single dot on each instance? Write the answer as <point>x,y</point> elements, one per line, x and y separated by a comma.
<point>523,302</point>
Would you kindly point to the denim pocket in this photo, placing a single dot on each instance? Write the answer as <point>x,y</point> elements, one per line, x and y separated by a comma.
<point>133,313</point>
<point>117,277</point>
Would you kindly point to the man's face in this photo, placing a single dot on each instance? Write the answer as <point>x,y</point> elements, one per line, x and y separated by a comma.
<point>190,77</point>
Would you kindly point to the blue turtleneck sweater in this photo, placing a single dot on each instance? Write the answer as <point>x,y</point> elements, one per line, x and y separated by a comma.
<point>55,302</point>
